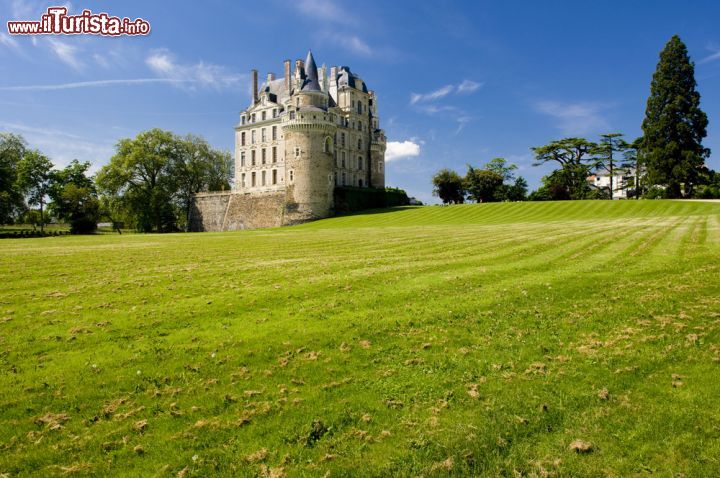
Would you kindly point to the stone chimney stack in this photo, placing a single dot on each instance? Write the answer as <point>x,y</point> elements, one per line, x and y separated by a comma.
<point>287,75</point>
<point>299,72</point>
<point>254,86</point>
<point>270,77</point>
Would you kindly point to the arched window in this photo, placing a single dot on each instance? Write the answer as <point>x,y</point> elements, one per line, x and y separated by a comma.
<point>328,145</point>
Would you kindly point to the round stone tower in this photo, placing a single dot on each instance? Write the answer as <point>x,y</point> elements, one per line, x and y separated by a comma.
<point>377,160</point>
<point>309,133</point>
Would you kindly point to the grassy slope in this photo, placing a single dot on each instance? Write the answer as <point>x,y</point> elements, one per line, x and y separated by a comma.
<point>465,339</point>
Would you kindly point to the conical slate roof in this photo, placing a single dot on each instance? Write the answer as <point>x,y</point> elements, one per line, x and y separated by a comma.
<point>311,74</point>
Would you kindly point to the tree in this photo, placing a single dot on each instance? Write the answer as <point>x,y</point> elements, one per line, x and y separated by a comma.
<point>554,188</point>
<point>502,168</point>
<point>572,154</point>
<point>632,162</point>
<point>605,155</point>
<point>483,185</point>
<point>151,179</point>
<point>12,150</point>
<point>674,124</point>
<point>74,198</point>
<point>517,191</point>
<point>197,168</point>
<point>34,176</point>
<point>138,178</point>
<point>448,186</point>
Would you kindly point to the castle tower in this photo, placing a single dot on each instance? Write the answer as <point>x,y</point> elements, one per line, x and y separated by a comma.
<point>309,132</point>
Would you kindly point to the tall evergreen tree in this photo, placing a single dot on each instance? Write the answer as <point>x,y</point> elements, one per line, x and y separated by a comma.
<point>674,124</point>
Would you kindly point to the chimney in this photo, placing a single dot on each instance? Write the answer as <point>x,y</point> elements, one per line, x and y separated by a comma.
<point>270,77</point>
<point>299,69</point>
<point>287,75</point>
<point>254,87</point>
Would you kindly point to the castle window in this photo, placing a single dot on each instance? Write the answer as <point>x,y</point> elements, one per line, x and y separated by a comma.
<point>297,152</point>
<point>263,116</point>
<point>242,181</point>
<point>242,138</point>
<point>342,139</point>
<point>360,183</point>
<point>274,112</point>
<point>263,138</point>
<point>263,178</point>
<point>292,115</point>
<point>344,179</point>
<point>274,154</point>
<point>336,178</point>
<point>242,119</point>
<point>359,107</point>
<point>274,132</point>
<point>327,147</point>
<point>360,162</point>
<point>253,117</point>
<point>252,183</point>
<point>274,176</point>
<point>252,159</point>
<point>343,164</point>
<point>242,159</point>
<point>359,143</point>
<point>359,125</point>
<point>262,155</point>
<point>291,176</point>
<point>252,137</point>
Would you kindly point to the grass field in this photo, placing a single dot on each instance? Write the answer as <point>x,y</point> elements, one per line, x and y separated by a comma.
<point>465,340</point>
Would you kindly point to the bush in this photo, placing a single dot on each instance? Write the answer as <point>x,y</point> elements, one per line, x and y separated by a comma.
<point>352,199</point>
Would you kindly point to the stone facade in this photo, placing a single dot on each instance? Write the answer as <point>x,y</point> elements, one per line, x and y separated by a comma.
<point>302,135</point>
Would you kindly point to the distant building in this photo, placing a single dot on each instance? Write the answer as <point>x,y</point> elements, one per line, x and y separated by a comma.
<point>623,182</point>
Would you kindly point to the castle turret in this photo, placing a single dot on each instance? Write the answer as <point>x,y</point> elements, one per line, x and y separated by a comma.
<point>309,132</point>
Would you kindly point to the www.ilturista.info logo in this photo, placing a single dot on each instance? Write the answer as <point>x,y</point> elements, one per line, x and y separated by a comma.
<point>56,21</point>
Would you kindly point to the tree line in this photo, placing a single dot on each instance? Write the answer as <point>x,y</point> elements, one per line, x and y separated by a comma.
<point>147,185</point>
<point>667,161</point>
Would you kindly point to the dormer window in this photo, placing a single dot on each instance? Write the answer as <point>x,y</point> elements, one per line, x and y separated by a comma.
<point>263,116</point>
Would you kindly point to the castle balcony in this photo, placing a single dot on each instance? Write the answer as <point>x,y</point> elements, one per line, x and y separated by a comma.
<point>308,120</point>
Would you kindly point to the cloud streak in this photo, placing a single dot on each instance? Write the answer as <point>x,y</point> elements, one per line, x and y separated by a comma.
<point>94,84</point>
<point>205,75</point>
<point>575,117</point>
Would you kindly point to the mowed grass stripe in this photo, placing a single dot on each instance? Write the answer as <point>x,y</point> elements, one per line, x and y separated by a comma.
<point>395,316</point>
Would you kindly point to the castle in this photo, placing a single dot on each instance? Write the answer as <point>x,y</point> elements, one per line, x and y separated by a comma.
<point>302,135</point>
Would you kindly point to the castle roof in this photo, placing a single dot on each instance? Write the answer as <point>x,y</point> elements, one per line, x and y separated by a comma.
<point>311,82</point>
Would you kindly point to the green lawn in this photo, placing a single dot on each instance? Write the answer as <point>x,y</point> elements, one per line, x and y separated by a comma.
<point>463,340</point>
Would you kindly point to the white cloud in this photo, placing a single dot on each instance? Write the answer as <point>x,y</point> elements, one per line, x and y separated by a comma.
<point>206,75</point>
<point>94,84</point>
<point>432,96</point>
<point>62,147</point>
<point>8,41</point>
<point>575,118</point>
<point>66,53</point>
<point>714,56</point>
<point>401,149</point>
<point>326,10</point>
<point>468,86</point>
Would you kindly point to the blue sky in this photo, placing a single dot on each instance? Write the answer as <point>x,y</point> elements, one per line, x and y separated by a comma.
<point>458,82</point>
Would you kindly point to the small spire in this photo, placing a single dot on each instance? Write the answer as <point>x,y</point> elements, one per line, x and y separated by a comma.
<point>311,74</point>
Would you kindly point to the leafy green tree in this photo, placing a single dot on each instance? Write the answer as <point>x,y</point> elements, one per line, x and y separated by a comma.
<point>74,198</point>
<point>12,150</point>
<point>483,185</point>
<point>607,154</point>
<point>573,156</point>
<point>34,176</point>
<point>501,167</point>
<point>517,191</point>
<point>139,181</point>
<point>448,186</point>
<point>197,168</point>
<point>674,124</point>
<point>554,188</point>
